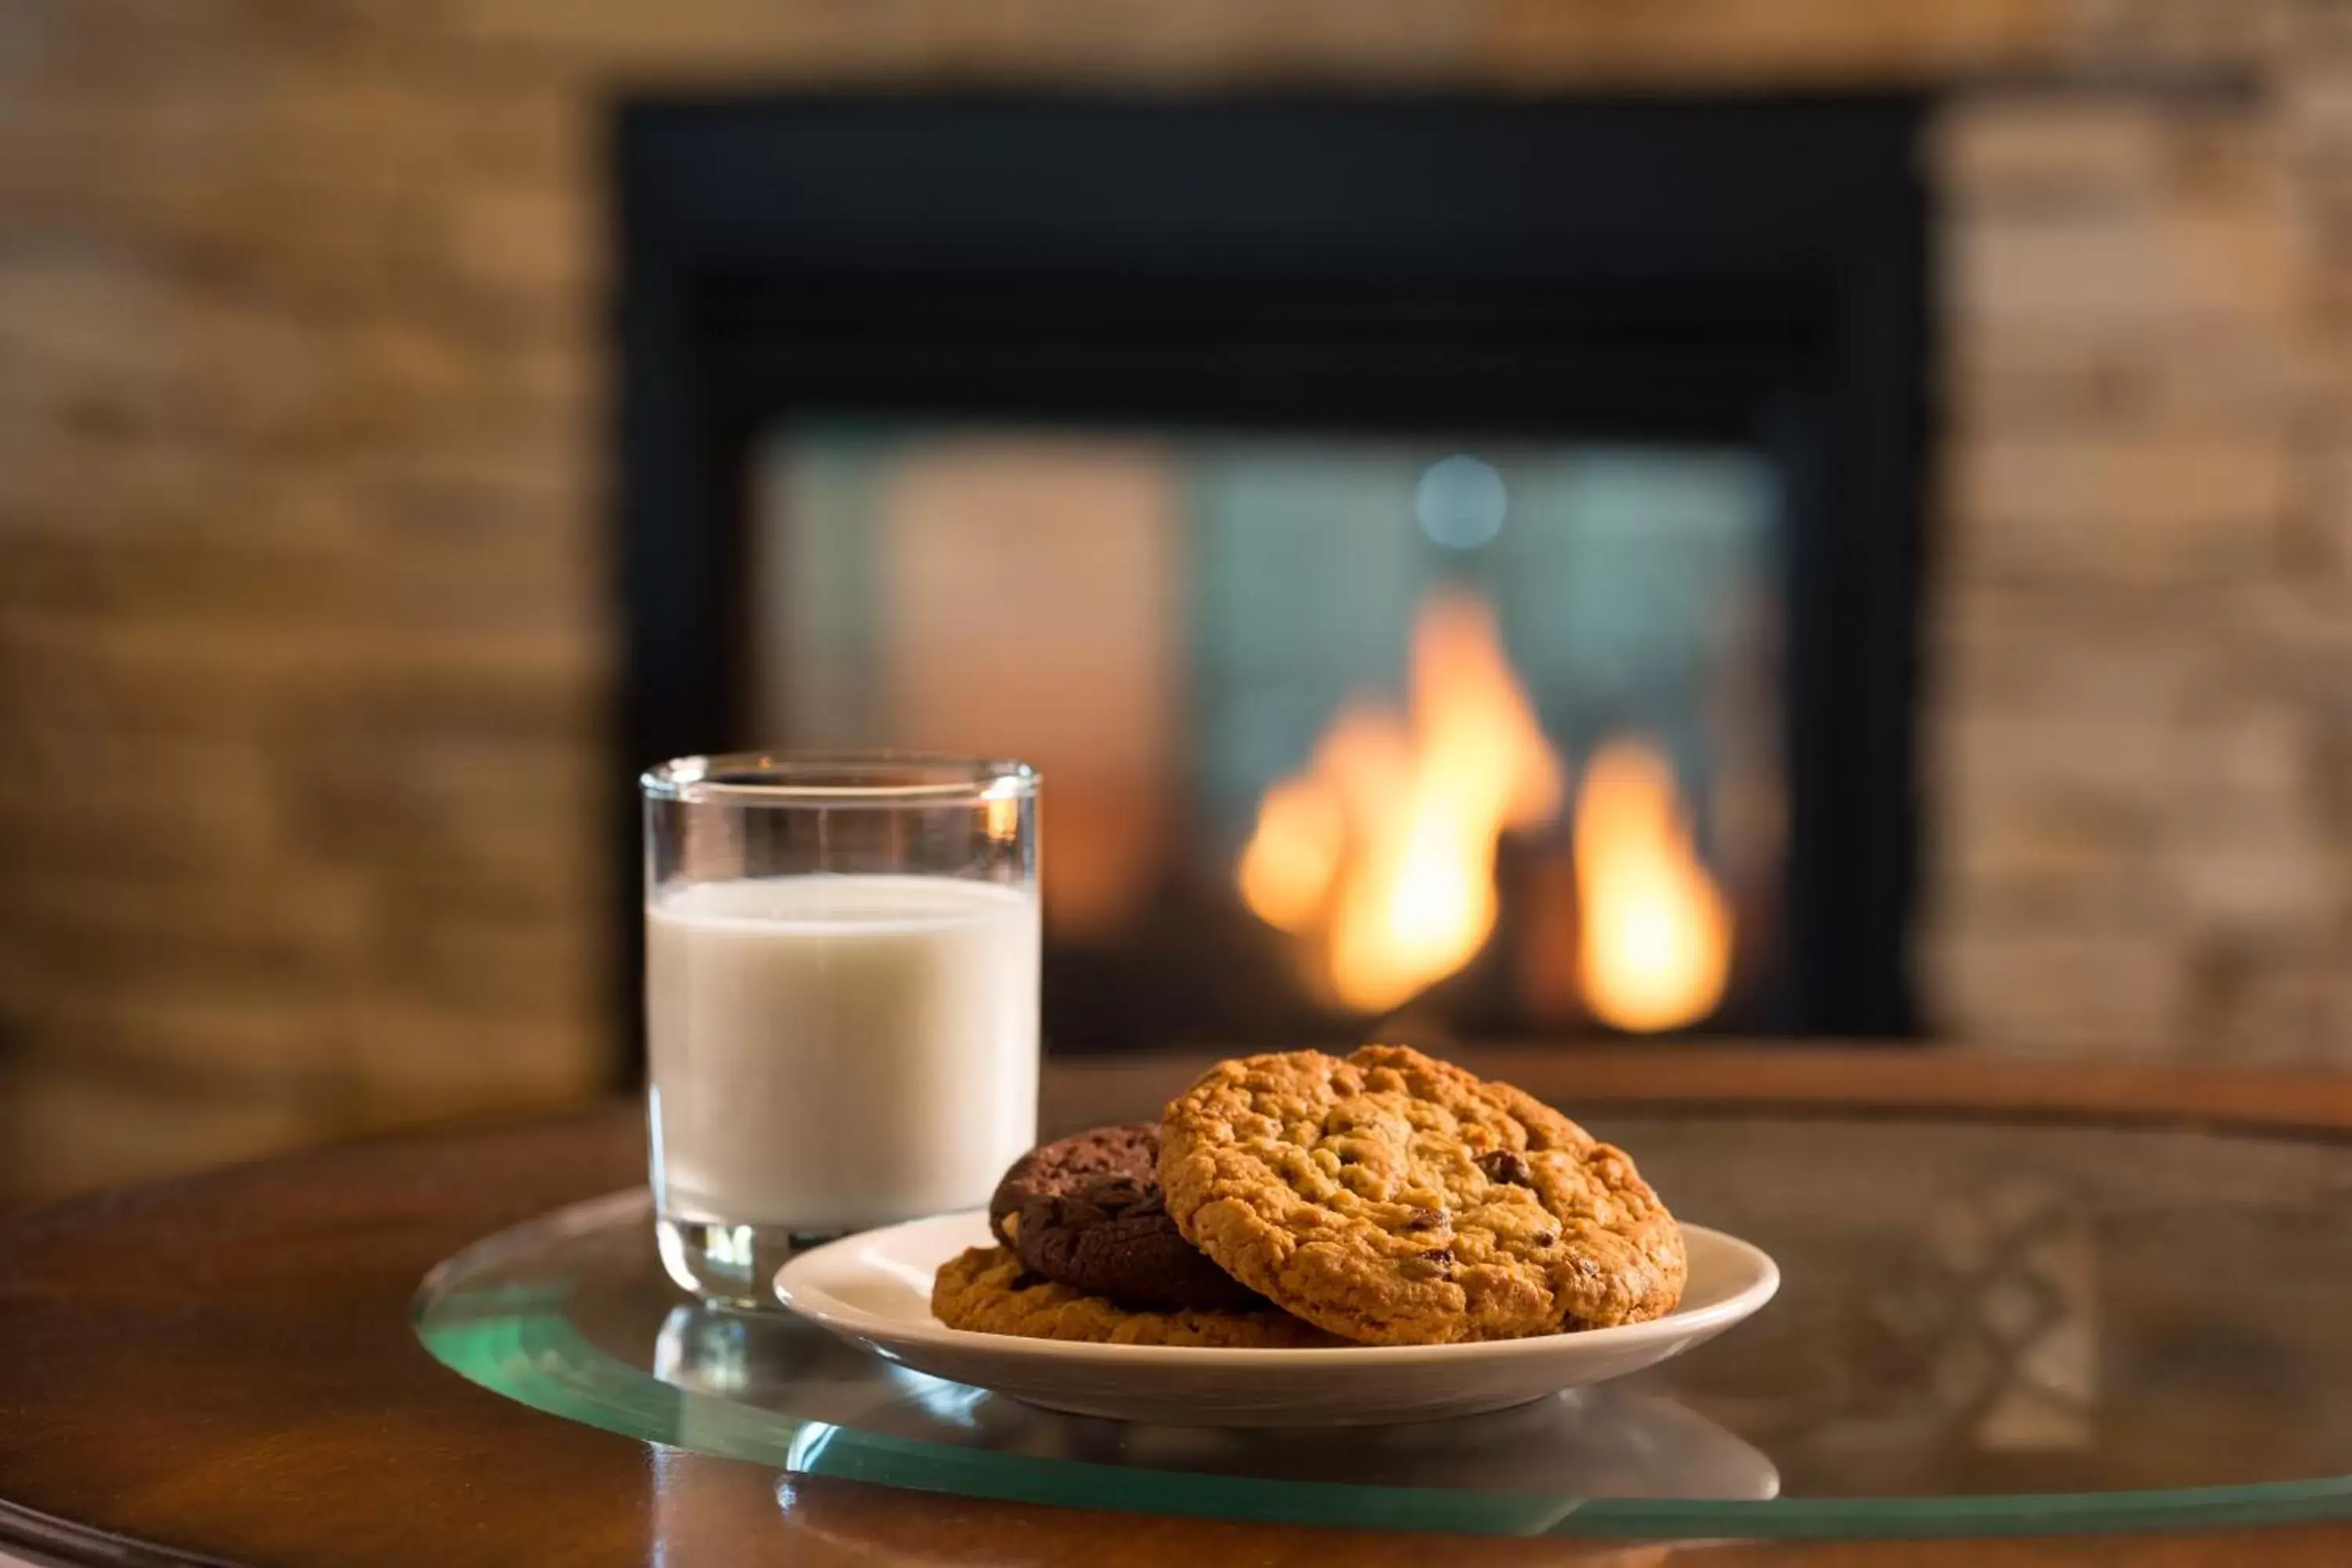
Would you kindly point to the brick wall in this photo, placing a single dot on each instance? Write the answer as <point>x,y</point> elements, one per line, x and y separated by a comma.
<point>304,638</point>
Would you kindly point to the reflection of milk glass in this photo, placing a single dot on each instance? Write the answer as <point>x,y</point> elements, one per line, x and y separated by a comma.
<point>841,1000</point>
<point>701,1351</point>
<point>769,1387</point>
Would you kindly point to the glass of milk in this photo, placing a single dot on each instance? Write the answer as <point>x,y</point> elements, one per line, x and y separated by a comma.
<point>841,999</point>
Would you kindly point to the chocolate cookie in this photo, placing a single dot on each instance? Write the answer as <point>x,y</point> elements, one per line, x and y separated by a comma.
<point>1057,1170</point>
<point>1112,1236</point>
<point>986,1290</point>
<point>1393,1199</point>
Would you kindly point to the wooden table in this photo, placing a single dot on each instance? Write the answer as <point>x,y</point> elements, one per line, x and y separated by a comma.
<point>221,1368</point>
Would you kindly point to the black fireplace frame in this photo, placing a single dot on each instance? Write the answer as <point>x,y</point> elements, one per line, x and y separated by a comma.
<point>1750,268</point>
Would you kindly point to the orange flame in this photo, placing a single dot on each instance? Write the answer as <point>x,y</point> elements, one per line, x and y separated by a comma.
<point>1656,946</point>
<point>1382,852</point>
<point>1379,856</point>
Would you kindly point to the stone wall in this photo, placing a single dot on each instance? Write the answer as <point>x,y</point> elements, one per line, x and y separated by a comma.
<point>2139,750</point>
<point>304,627</point>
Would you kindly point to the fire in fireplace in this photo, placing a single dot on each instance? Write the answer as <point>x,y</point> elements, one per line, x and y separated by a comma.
<point>1453,562</point>
<point>1380,853</point>
<point>1381,856</point>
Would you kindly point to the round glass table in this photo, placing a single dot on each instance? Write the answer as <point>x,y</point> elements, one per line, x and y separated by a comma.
<point>2008,1322</point>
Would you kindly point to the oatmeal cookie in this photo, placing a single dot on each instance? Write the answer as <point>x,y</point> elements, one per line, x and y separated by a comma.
<point>986,1290</point>
<point>1393,1199</point>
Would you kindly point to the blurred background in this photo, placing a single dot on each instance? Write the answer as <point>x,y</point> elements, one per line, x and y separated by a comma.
<point>1499,519</point>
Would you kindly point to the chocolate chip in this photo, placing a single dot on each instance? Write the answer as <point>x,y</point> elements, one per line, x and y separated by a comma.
<point>1544,1238</point>
<point>1121,1192</point>
<point>1438,1255</point>
<point>1506,1165</point>
<point>1425,1219</point>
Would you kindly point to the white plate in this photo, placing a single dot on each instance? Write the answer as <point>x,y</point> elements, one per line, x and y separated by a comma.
<point>875,1290</point>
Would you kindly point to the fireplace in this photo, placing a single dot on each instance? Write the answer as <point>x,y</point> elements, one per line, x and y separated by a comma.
<point>1455,562</point>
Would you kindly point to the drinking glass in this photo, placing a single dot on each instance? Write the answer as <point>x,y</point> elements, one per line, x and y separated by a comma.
<point>841,999</point>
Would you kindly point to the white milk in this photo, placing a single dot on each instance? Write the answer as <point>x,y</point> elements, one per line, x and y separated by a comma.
<point>833,1052</point>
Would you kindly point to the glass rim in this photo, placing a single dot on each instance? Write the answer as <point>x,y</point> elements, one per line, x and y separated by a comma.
<point>834,779</point>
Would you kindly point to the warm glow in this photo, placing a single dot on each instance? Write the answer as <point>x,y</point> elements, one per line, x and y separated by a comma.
<point>1381,853</point>
<point>1287,867</point>
<point>1655,931</point>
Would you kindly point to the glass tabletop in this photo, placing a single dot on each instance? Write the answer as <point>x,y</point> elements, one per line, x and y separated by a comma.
<point>1983,1327</point>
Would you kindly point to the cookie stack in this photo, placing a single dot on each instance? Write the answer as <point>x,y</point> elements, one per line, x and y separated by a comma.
<point>1301,1199</point>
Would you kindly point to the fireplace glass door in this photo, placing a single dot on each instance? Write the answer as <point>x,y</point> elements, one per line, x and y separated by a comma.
<point>1448,737</point>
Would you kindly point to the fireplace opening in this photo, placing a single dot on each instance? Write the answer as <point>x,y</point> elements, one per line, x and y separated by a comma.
<point>1454,564</point>
<point>1482,732</point>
